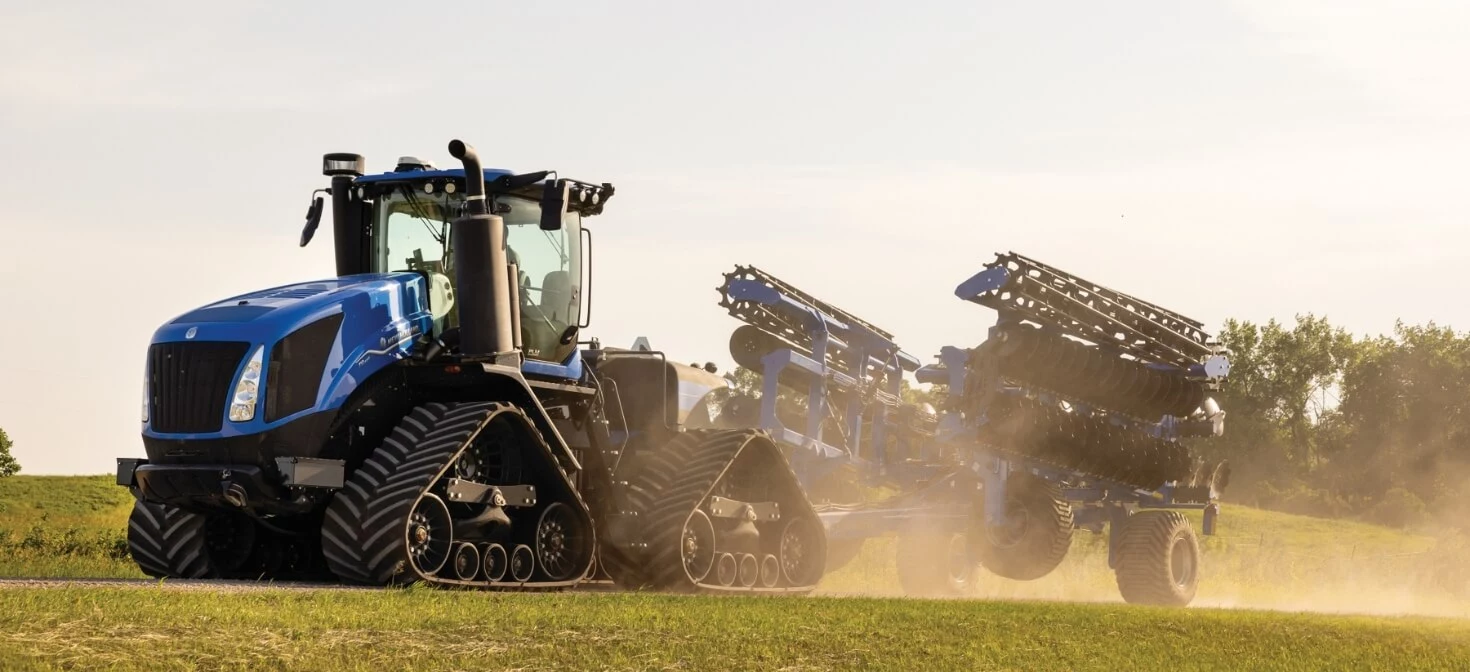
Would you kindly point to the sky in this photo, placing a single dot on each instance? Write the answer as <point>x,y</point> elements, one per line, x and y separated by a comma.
<point>1248,159</point>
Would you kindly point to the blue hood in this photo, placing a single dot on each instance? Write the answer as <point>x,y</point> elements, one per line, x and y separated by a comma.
<point>382,315</point>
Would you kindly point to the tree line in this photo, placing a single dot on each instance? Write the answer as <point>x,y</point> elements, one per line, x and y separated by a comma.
<point>1321,422</point>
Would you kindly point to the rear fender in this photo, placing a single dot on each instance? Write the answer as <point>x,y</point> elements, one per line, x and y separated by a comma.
<point>492,382</point>
<point>647,393</point>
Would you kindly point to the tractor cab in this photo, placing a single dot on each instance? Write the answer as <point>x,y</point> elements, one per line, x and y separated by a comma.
<point>401,221</point>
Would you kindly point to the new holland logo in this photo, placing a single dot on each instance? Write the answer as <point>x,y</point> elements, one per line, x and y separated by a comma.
<point>192,332</point>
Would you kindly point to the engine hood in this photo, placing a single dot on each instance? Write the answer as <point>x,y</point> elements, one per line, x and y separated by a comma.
<point>321,340</point>
<point>269,314</point>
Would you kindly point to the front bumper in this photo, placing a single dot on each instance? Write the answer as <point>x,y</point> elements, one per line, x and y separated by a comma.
<point>302,484</point>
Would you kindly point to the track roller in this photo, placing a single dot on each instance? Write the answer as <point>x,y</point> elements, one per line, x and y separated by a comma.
<point>726,569</point>
<point>495,560</point>
<point>770,571</point>
<point>1158,559</point>
<point>466,561</point>
<point>522,563</point>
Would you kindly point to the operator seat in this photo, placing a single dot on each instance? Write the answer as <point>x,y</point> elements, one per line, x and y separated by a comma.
<point>556,297</point>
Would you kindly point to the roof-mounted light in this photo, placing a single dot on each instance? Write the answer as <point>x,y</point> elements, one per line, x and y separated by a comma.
<point>344,164</point>
<point>408,163</point>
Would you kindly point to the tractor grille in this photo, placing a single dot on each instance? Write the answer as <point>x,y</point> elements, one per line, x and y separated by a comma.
<point>189,384</point>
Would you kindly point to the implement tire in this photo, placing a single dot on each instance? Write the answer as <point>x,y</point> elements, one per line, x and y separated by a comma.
<point>935,563</point>
<point>1038,542</point>
<point>1158,559</point>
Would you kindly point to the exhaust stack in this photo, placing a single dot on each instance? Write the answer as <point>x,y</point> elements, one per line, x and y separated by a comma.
<point>480,278</point>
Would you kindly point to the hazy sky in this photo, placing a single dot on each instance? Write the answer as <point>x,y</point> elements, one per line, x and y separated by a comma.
<point>1249,159</point>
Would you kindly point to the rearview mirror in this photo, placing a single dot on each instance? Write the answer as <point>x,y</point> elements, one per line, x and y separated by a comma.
<point>313,218</point>
<point>553,204</point>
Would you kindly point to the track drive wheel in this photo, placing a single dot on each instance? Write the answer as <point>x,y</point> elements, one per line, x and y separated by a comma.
<point>1158,559</point>
<point>1035,536</point>
<point>933,562</point>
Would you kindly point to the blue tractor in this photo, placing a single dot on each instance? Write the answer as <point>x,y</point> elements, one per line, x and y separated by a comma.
<point>432,414</point>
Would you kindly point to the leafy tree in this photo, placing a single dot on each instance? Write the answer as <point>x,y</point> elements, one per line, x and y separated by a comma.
<point>8,465</point>
<point>1273,400</point>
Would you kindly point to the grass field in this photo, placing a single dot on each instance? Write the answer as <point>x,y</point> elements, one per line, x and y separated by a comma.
<point>421,629</point>
<point>74,527</point>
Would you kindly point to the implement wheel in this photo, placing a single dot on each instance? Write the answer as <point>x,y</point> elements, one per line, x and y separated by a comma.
<point>934,563</point>
<point>1035,536</point>
<point>1158,559</point>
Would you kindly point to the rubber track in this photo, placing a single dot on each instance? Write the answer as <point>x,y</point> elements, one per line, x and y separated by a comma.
<point>168,542</point>
<point>706,455</point>
<point>1143,570</point>
<point>652,472</point>
<point>1032,563</point>
<point>363,530</point>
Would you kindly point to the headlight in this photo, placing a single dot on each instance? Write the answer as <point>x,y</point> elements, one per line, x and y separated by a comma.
<point>145,399</point>
<point>242,409</point>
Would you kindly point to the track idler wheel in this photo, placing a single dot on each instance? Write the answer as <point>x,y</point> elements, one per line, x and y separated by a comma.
<point>561,541</point>
<point>698,550</point>
<point>430,535</point>
<point>1158,559</point>
<point>800,553</point>
<point>1035,535</point>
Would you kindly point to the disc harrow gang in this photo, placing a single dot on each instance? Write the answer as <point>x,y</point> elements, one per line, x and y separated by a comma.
<point>391,524</point>
<point>769,329</point>
<point>1095,376</point>
<point>1084,443</point>
<point>1028,289</point>
<point>722,512</point>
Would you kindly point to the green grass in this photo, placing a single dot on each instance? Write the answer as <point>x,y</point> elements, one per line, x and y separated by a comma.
<point>422,629</point>
<point>75,527</point>
<point>64,526</point>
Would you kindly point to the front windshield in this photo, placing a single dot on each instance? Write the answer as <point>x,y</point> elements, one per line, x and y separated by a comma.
<point>411,233</point>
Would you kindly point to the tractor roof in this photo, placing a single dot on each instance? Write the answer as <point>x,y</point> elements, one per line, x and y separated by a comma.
<point>420,174</point>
